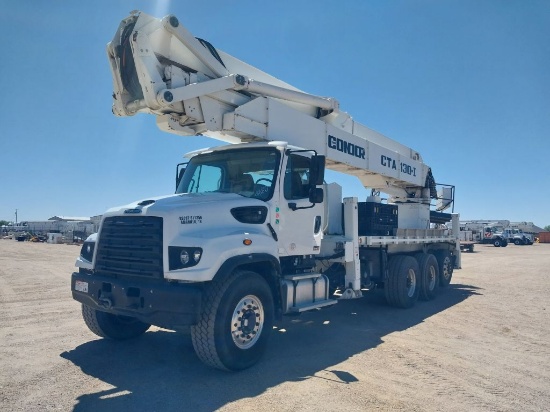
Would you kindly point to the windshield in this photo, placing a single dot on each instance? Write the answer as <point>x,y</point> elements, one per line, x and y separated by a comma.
<point>247,172</point>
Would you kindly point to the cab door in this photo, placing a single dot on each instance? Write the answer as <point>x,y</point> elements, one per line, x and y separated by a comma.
<point>300,223</point>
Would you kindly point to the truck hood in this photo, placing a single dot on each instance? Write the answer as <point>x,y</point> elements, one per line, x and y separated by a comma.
<point>186,202</point>
<point>193,215</point>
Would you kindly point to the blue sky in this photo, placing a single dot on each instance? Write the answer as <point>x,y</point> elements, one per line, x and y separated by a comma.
<point>464,82</point>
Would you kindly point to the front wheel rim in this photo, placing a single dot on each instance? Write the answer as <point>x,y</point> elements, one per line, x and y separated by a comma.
<point>247,322</point>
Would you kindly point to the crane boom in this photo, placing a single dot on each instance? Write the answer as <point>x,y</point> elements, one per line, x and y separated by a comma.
<point>192,88</point>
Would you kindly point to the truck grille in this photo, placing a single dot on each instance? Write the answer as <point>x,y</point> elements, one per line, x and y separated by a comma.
<point>130,246</point>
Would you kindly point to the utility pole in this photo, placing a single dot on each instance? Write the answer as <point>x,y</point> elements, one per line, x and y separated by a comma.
<point>16,216</point>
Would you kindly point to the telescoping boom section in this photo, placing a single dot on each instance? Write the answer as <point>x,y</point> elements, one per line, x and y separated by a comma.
<point>192,88</point>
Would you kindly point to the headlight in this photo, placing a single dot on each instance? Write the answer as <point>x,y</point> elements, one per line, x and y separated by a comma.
<point>87,251</point>
<point>183,257</point>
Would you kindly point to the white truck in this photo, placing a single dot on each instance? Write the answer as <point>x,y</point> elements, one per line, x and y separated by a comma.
<point>253,232</point>
<point>485,231</point>
<point>517,236</point>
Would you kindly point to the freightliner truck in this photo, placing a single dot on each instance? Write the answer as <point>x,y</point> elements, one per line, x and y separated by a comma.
<point>253,231</point>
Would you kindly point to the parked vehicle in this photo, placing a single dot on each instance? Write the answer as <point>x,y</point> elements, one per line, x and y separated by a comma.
<point>517,237</point>
<point>253,231</point>
<point>483,231</point>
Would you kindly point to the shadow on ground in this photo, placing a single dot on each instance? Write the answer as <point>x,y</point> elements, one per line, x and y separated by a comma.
<point>159,371</point>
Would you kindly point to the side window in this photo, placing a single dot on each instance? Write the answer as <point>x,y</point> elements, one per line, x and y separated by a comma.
<point>296,185</point>
<point>205,179</point>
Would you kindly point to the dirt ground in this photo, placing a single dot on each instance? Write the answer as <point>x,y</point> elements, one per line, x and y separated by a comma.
<point>482,345</point>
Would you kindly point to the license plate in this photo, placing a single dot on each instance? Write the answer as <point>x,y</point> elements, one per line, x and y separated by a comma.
<point>81,286</point>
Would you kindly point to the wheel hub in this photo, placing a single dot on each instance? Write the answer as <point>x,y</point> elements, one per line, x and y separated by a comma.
<point>446,266</point>
<point>411,283</point>
<point>431,278</point>
<point>247,322</point>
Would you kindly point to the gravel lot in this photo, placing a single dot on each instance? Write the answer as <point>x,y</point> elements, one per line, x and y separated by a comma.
<point>483,344</point>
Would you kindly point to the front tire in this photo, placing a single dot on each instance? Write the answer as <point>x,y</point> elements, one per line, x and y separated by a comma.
<point>235,323</point>
<point>110,326</point>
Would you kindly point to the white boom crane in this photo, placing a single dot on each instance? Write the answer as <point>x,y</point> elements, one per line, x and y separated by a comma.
<point>253,231</point>
<point>192,88</point>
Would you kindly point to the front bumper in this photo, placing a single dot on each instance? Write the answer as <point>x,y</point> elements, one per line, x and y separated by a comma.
<point>169,305</point>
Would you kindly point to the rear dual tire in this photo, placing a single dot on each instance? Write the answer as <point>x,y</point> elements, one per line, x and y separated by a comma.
<point>429,276</point>
<point>445,264</point>
<point>402,283</point>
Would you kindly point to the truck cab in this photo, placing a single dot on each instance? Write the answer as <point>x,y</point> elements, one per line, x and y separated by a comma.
<point>253,208</point>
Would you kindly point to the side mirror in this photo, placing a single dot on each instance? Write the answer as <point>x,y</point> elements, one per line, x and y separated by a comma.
<point>317,170</point>
<point>316,195</point>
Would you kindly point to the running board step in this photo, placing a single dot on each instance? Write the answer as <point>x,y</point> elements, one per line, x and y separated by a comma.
<point>316,305</point>
<point>305,292</point>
